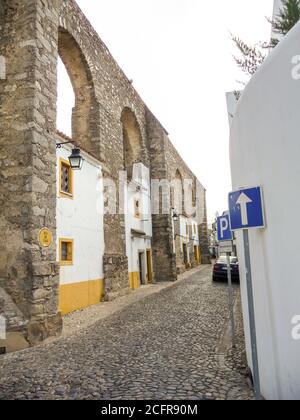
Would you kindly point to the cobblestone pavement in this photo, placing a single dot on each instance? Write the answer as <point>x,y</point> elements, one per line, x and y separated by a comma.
<point>171,345</point>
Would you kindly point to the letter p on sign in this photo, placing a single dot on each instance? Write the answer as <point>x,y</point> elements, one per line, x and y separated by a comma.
<point>224,226</point>
<point>224,230</point>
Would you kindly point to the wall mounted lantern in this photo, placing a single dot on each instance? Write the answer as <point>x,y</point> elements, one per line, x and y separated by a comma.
<point>175,215</point>
<point>76,160</point>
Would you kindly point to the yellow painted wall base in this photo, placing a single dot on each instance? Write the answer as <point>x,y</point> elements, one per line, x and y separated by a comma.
<point>75,296</point>
<point>134,280</point>
<point>199,255</point>
<point>198,258</point>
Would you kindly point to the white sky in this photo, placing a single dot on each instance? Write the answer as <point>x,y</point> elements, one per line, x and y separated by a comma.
<point>179,54</point>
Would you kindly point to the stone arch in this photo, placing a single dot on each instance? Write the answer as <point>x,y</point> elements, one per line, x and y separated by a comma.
<point>177,193</point>
<point>84,114</point>
<point>178,175</point>
<point>132,140</point>
<point>190,199</point>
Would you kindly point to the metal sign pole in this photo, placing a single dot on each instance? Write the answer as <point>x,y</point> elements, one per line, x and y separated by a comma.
<point>230,292</point>
<point>256,379</point>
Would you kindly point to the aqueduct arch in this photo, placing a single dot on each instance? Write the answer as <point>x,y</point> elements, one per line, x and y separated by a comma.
<point>132,140</point>
<point>177,193</point>
<point>84,115</point>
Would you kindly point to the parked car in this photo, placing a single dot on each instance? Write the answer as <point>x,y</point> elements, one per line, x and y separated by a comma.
<point>220,269</point>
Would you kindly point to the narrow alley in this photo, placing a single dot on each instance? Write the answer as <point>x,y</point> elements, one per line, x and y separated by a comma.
<point>170,345</point>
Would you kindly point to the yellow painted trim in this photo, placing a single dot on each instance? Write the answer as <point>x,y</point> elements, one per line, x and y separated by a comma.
<point>134,280</point>
<point>196,254</point>
<point>62,193</point>
<point>76,296</point>
<point>68,241</point>
<point>45,237</point>
<point>200,255</point>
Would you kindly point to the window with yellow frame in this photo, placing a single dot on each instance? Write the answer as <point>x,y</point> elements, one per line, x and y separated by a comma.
<point>65,179</point>
<point>66,251</point>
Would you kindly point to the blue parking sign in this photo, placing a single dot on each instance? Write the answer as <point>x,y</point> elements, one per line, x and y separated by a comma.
<point>246,209</point>
<point>223,228</point>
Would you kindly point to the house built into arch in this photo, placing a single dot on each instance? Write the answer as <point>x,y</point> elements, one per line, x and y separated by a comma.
<point>114,128</point>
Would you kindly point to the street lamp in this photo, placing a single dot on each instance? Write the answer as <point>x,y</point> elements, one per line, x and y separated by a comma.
<point>175,216</point>
<point>76,160</point>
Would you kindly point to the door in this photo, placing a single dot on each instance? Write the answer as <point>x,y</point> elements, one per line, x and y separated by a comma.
<point>199,255</point>
<point>185,254</point>
<point>196,254</point>
<point>149,266</point>
<point>141,267</point>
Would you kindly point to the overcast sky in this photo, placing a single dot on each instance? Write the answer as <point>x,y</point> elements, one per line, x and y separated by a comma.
<point>179,54</point>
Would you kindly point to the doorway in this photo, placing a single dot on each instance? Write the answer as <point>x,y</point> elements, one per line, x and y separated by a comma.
<point>149,266</point>
<point>196,254</point>
<point>185,254</point>
<point>142,267</point>
<point>199,255</point>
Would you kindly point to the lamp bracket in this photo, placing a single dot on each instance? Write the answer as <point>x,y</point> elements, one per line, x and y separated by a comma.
<point>59,145</point>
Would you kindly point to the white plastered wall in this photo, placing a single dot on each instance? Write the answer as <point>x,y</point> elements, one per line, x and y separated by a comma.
<point>81,219</point>
<point>138,189</point>
<point>265,150</point>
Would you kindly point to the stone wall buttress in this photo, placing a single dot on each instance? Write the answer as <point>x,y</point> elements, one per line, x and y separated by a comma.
<point>203,235</point>
<point>29,273</point>
<point>164,259</point>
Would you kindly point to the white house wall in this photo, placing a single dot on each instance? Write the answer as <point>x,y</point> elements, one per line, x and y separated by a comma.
<point>265,150</point>
<point>232,101</point>
<point>189,235</point>
<point>138,189</point>
<point>81,219</point>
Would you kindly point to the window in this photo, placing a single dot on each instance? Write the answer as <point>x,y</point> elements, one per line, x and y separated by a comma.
<point>66,179</point>
<point>66,251</point>
<point>137,211</point>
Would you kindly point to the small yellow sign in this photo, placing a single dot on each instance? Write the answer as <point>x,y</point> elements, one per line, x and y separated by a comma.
<point>45,238</point>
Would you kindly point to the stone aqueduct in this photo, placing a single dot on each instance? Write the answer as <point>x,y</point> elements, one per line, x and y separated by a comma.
<point>107,110</point>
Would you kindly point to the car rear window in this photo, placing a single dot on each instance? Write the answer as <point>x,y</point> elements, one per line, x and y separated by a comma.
<point>223,260</point>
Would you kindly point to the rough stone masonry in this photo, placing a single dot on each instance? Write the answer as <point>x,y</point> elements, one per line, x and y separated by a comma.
<point>33,33</point>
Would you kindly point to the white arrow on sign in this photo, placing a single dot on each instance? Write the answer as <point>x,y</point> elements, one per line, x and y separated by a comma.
<point>243,201</point>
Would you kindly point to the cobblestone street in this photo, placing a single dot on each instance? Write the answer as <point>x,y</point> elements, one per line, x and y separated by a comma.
<point>171,345</point>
